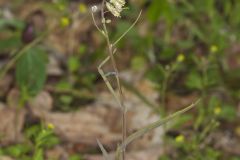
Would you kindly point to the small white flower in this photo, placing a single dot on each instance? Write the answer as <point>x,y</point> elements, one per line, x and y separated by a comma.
<point>121,2</point>
<point>113,10</point>
<point>115,7</point>
<point>94,9</point>
<point>118,6</point>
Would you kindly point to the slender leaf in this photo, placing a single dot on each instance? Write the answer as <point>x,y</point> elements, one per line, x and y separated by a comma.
<point>156,124</point>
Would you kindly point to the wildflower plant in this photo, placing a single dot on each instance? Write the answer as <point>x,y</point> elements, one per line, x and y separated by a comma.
<point>115,7</point>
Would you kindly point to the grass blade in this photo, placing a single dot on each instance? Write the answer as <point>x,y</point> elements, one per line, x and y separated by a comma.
<point>156,124</point>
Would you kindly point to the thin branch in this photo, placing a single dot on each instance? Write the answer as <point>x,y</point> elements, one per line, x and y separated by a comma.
<point>111,52</point>
<point>100,70</point>
<point>135,22</point>
<point>121,98</point>
<point>95,23</point>
<point>109,85</point>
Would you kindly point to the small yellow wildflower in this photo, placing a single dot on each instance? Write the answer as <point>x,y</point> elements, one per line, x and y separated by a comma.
<point>181,57</point>
<point>82,8</point>
<point>65,21</point>
<point>217,110</point>
<point>180,138</point>
<point>214,49</point>
<point>50,126</point>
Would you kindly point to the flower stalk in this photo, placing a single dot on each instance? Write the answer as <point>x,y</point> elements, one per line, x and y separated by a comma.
<point>115,7</point>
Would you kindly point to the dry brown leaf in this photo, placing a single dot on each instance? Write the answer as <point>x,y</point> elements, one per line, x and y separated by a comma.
<point>102,120</point>
<point>41,104</point>
<point>226,142</point>
<point>13,98</point>
<point>11,125</point>
<point>57,152</point>
<point>5,84</point>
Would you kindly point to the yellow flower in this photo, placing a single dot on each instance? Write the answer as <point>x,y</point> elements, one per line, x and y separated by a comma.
<point>50,126</point>
<point>65,21</point>
<point>214,48</point>
<point>181,57</point>
<point>82,8</point>
<point>180,138</point>
<point>217,110</point>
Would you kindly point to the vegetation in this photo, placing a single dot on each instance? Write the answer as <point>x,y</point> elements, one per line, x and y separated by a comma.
<point>188,49</point>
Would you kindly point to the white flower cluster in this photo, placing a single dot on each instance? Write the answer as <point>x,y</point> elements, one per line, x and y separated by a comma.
<point>115,7</point>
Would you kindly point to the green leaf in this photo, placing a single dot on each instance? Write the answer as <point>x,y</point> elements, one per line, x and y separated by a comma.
<point>64,85</point>
<point>66,99</point>
<point>73,64</point>
<point>82,49</point>
<point>38,154</point>
<point>31,71</point>
<point>12,22</point>
<point>9,43</point>
<point>194,81</point>
<point>138,63</point>
<point>159,9</point>
<point>229,113</point>
<point>17,150</point>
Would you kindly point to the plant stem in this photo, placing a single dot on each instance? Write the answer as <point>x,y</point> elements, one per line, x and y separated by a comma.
<point>114,65</point>
<point>111,51</point>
